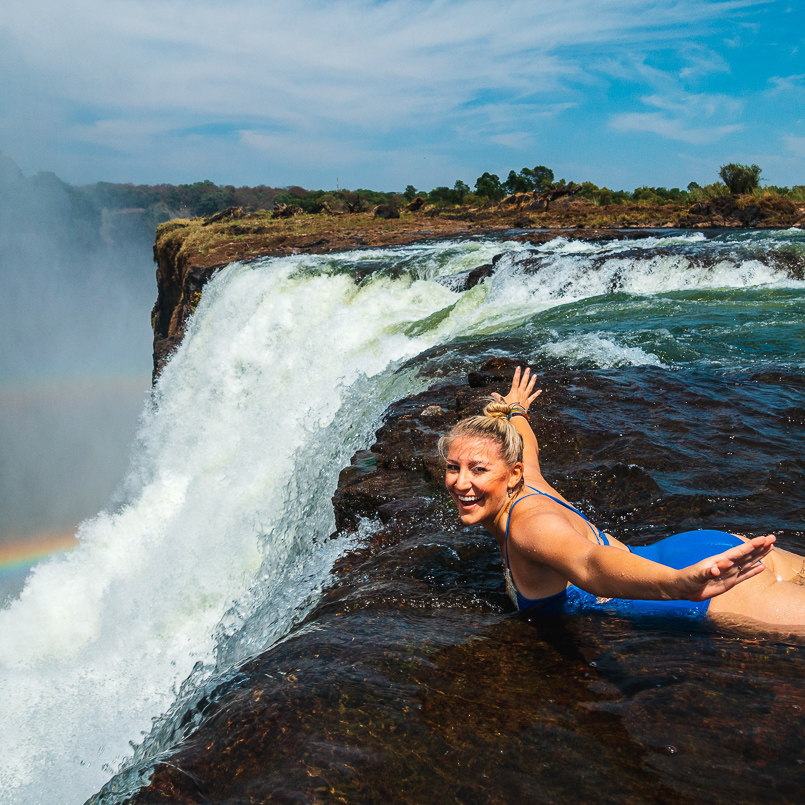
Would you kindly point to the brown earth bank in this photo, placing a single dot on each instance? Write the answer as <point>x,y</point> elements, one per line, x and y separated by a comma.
<point>189,252</point>
<point>408,683</point>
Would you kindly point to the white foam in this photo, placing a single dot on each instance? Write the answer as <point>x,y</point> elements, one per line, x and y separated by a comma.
<point>280,379</point>
<point>599,350</point>
<point>561,245</point>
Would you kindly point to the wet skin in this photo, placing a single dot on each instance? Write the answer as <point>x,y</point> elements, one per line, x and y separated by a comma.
<point>479,481</point>
<point>549,547</point>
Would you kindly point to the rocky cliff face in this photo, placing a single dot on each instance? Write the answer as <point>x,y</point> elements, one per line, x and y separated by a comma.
<point>189,252</point>
<point>180,279</point>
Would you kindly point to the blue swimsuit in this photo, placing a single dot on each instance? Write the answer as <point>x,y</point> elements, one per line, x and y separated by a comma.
<point>678,551</point>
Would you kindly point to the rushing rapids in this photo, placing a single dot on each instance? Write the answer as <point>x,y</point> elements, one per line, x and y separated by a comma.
<point>120,651</point>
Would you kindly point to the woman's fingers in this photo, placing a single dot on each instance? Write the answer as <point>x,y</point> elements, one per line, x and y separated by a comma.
<point>522,388</point>
<point>516,381</point>
<point>743,561</point>
<point>754,550</point>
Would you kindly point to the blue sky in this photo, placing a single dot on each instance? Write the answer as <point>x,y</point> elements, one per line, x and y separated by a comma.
<point>383,94</point>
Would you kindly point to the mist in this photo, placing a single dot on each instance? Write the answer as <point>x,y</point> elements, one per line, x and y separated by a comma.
<point>76,288</point>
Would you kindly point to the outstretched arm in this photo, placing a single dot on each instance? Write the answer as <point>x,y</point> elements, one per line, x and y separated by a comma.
<point>612,573</point>
<point>522,393</point>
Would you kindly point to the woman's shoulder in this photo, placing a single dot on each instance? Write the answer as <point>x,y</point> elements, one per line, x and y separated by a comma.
<point>536,515</point>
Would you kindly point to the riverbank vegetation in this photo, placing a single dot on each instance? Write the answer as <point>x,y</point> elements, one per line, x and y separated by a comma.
<point>532,197</point>
<point>163,202</point>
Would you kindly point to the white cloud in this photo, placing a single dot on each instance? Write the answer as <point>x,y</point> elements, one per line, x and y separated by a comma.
<point>327,77</point>
<point>696,106</point>
<point>703,61</point>
<point>787,83</point>
<point>693,118</point>
<point>204,57</point>
<point>119,134</point>
<point>518,140</point>
<point>298,149</point>
<point>673,129</point>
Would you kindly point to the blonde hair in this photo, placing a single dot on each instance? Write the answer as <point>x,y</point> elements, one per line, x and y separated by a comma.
<point>494,425</point>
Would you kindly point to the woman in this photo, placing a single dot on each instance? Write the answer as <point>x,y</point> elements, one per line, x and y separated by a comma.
<point>555,560</point>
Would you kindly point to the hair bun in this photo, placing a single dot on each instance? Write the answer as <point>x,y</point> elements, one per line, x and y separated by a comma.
<point>497,409</point>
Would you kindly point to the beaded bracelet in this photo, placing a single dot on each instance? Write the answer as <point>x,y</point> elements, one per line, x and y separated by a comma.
<point>519,413</point>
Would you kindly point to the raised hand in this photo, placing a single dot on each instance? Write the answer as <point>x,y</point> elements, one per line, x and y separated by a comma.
<point>722,572</point>
<point>522,390</point>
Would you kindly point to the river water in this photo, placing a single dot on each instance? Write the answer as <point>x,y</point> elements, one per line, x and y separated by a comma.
<point>678,358</point>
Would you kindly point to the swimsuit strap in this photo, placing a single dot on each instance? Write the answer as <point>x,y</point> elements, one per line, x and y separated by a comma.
<point>599,535</point>
<point>508,520</point>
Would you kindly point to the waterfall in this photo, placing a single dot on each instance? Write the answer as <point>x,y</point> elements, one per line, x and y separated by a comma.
<point>285,371</point>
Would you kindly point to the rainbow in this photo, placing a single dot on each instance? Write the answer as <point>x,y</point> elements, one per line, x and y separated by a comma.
<point>17,554</point>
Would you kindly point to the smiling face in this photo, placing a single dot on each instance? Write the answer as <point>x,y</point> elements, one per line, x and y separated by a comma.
<point>479,480</point>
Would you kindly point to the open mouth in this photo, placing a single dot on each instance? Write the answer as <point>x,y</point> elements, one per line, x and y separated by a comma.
<point>468,500</point>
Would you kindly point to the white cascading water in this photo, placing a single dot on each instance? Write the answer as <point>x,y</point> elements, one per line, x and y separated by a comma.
<point>282,376</point>
<point>285,371</point>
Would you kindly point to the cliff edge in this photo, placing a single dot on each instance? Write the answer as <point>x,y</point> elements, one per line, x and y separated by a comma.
<point>189,251</point>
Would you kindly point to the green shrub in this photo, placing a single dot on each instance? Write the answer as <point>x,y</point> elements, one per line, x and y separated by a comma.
<point>710,191</point>
<point>797,192</point>
<point>739,178</point>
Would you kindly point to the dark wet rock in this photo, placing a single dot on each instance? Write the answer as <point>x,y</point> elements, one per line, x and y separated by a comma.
<point>742,212</point>
<point>783,378</point>
<point>365,496</point>
<point>472,708</point>
<point>415,205</point>
<point>401,509</point>
<point>794,415</point>
<point>479,274</point>
<point>386,211</point>
<point>465,280</point>
<point>179,285</point>
<point>494,371</point>
<point>410,683</point>
<point>618,488</point>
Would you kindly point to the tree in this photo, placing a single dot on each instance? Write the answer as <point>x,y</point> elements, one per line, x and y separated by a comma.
<point>517,183</point>
<point>540,177</point>
<point>441,195</point>
<point>529,180</point>
<point>460,189</point>
<point>740,179</point>
<point>410,192</point>
<point>489,186</point>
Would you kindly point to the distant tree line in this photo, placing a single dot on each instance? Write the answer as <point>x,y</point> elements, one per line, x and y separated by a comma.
<point>736,178</point>
<point>197,199</point>
<point>164,201</point>
<point>117,213</point>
